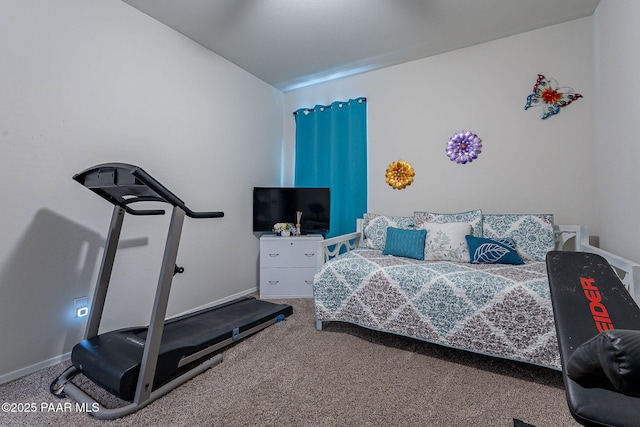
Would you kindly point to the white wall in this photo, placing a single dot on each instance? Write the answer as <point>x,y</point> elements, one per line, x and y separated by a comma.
<point>527,164</point>
<point>86,82</point>
<point>617,111</point>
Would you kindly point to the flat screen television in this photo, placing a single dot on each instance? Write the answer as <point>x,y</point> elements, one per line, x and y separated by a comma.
<point>272,205</point>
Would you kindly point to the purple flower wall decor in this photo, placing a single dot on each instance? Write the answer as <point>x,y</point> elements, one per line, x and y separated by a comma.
<point>550,97</point>
<point>464,147</point>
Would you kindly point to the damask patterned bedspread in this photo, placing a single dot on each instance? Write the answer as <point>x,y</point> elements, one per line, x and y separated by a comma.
<point>495,309</point>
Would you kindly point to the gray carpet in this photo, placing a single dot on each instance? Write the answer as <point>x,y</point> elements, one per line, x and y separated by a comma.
<point>292,375</point>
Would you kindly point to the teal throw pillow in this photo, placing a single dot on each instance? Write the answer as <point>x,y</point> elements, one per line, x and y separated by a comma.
<point>405,243</point>
<point>492,251</point>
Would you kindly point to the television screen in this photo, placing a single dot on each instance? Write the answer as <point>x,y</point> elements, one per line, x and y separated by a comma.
<point>279,204</point>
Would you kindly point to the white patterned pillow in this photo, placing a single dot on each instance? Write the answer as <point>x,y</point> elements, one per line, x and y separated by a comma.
<point>472,217</point>
<point>375,228</point>
<point>446,242</point>
<point>533,233</point>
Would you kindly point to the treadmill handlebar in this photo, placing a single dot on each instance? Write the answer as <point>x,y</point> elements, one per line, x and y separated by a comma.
<point>199,215</point>
<point>123,184</point>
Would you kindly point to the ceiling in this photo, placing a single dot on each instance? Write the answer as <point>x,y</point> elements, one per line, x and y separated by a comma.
<point>296,43</point>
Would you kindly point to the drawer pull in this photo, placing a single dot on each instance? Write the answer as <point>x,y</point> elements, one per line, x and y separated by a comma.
<point>273,282</point>
<point>273,255</point>
<point>309,282</point>
<point>309,255</point>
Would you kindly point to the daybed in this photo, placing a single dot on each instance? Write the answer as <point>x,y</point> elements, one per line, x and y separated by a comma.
<point>471,281</point>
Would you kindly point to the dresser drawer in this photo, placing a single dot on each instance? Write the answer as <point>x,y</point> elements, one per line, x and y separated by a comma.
<point>286,282</point>
<point>289,253</point>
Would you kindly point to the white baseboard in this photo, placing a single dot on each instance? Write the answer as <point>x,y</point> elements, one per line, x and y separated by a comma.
<point>5,378</point>
<point>220,301</point>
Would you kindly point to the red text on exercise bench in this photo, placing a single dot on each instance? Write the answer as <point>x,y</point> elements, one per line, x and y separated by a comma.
<point>598,310</point>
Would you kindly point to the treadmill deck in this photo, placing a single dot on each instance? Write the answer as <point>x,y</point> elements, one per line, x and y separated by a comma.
<point>112,360</point>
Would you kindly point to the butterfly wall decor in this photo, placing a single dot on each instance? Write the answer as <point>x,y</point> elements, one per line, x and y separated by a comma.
<point>550,97</point>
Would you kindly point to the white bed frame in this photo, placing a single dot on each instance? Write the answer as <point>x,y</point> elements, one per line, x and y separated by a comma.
<point>568,237</point>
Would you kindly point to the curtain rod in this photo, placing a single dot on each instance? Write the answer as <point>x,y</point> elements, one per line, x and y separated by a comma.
<point>359,100</point>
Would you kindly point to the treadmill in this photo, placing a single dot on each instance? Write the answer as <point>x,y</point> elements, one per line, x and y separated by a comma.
<point>140,364</point>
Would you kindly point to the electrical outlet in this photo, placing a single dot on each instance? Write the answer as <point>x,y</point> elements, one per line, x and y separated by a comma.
<point>80,307</point>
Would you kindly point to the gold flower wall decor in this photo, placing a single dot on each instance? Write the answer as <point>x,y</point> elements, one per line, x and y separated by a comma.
<point>399,174</point>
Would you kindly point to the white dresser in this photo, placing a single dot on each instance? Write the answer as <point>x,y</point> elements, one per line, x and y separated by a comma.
<point>287,265</point>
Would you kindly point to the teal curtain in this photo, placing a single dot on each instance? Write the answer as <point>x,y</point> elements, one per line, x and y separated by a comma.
<point>331,151</point>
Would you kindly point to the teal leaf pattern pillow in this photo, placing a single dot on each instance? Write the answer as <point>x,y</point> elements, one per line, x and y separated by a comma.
<point>490,251</point>
<point>375,228</point>
<point>533,233</point>
<point>405,243</point>
<point>472,217</point>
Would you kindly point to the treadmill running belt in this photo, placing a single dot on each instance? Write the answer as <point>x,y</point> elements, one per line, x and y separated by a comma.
<point>112,360</point>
